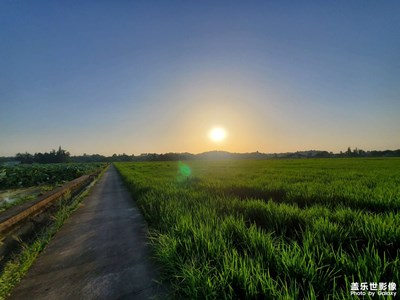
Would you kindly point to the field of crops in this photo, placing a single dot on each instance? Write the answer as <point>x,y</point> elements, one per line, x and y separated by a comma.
<point>22,183</point>
<point>18,176</point>
<point>277,229</point>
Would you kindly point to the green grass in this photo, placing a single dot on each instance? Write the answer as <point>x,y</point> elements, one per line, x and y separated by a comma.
<point>278,229</point>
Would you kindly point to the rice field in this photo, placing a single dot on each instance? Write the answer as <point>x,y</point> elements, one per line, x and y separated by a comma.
<point>273,229</point>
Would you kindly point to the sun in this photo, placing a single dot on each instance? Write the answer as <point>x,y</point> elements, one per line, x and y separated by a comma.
<point>217,134</point>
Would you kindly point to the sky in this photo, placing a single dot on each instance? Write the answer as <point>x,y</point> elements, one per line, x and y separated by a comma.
<point>156,76</point>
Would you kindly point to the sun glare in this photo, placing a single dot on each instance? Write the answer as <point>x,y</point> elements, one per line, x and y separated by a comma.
<point>217,134</point>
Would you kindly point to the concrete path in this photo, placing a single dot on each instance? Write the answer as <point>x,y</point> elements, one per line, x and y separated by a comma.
<point>99,253</point>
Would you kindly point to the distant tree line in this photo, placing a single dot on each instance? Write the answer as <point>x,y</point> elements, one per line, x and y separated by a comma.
<point>127,158</point>
<point>361,153</point>
<point>59,156</point>
<point>63,156</point>
<point>101,158</point>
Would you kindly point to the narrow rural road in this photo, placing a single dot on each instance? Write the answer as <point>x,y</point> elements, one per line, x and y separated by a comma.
<point>101,252</point>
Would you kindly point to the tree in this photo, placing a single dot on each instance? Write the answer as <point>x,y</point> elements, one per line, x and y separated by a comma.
<point>24,158</point>
<point>59,156</point>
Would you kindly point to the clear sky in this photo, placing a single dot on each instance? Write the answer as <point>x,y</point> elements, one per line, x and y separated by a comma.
<point>156,76</point>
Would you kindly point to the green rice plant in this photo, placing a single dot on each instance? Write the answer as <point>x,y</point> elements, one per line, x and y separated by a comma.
<point>278,229</point>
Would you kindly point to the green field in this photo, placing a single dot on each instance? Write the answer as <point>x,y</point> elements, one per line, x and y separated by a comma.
<point>276,229</point>
<point>21,183</point>
<point>37,174</point>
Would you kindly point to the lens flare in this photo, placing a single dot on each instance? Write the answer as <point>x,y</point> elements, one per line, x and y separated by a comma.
<point>184,170</point>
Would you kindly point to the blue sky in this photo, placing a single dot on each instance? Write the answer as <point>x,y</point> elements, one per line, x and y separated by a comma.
<point>155,76</point>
